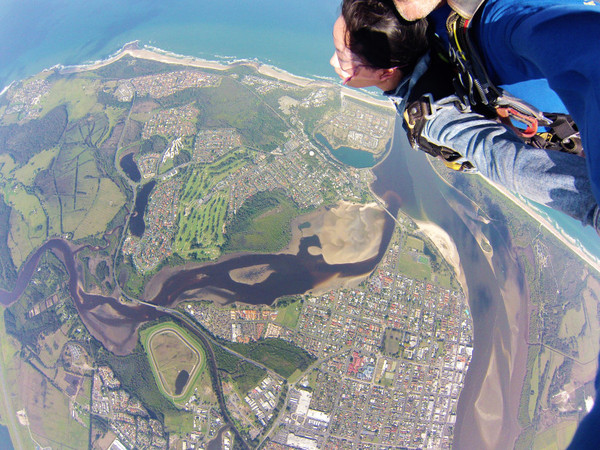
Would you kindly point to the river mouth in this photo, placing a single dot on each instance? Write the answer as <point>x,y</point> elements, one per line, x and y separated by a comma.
<point>497,295</point>
<point>496,286</point>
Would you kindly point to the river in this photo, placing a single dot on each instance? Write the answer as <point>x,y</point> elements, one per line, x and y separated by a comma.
<point>496,287</point>
<point>497,294</point>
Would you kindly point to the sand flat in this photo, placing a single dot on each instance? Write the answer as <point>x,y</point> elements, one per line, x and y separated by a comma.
<point>349,232</point>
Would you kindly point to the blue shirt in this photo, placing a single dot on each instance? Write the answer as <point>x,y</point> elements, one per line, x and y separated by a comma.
<point>547,52</point>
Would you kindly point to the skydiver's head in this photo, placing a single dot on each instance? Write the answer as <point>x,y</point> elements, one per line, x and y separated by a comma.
<point>416,9</point>
<point>374,46</point>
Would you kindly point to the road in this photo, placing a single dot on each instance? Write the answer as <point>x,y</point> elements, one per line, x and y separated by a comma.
<point>208,343</point>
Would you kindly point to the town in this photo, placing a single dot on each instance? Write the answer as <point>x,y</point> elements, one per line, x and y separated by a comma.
<point>394,353</point>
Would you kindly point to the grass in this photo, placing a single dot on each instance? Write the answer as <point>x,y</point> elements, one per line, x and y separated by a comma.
<point>392,341</point>
<point>534,387</point>
<point>7,165</point>
<point>572,323</point>
<point>415,244</point>
<point>48,411</point>
<point>113,114</point>
<point>179,423</point>
<point>288,316</point>
<point>555,361</point>
<point>79,94</point>
<point>26,174</point>
<point>107,202</point>
<point>85,392</point>
<point>28,223</point>
<point>9,363</point>
<point>587,344</point>
<point>202,210</point>
<point>170,354</point>
<point>558,437</point>
<point>51,346</point>
<point>410,268</point>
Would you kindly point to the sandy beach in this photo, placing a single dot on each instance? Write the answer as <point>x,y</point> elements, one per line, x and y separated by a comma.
<point>264,69</point>
<point>565,239</point>
<point>446,246</point>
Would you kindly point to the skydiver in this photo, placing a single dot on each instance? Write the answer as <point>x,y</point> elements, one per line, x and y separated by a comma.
<point>369,53</point>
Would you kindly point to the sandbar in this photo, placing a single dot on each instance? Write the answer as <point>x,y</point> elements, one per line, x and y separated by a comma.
<point>446,246</point>
<point>348,232</point>
<point>252,274</point>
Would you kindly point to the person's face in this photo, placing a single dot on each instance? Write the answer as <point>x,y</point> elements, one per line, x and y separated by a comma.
<point>416,9</point>
<point>350,69</point>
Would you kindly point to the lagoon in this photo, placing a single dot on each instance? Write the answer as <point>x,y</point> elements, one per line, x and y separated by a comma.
<point>349,156</point>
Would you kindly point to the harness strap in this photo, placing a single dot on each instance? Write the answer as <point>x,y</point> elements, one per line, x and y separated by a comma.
<point>474,87</point>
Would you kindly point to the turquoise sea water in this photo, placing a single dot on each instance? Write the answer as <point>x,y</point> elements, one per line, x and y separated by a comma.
<point>294,35</point>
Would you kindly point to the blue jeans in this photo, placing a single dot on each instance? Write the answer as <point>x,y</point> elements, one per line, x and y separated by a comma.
<point>555,179</point>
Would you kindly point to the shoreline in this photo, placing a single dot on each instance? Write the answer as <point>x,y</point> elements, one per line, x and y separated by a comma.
<point>559,233</point>
<point>569,241</point>
<point>156,54</point>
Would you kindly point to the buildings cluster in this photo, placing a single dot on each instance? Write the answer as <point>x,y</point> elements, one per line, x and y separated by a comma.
<point>243,325</point>
<point>165,84</point>
<point>265,85</point>
<point>214,143</point>
<point>172,150</point>
<point>263,399</point>
<point>160,219</point>
<point>297,169</point>
<point>148,165</point>
<point>394,352</point>
<point>128,419</point>
<point>173,122</point>
<point>358,128</point>
<point>25,100</point>
<point>316,98</point>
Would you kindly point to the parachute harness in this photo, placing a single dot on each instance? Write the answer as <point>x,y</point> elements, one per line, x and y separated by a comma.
<point>552,131</point>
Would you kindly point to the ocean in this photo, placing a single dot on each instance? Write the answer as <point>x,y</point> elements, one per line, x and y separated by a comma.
<point>294,35</point>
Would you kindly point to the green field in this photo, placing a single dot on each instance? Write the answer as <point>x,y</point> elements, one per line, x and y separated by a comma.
<point>288,315</point>
<point>392,342</point>
<point>409,265</point>
<point>262,224</point>
<point>573,323</point>
<point>60,189</point>
<point>415,244</point>
<point>26,174</point>
<point>171,349</point>
<point>534,388</point>
<point>79,94</point>
<point>557,437</point>
<point>27,224</point>
<point>202,209</point>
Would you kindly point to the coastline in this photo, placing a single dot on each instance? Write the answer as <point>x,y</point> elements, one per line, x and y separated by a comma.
<point>155,54</point>
<point>567,240</point>
<point>540,218</point>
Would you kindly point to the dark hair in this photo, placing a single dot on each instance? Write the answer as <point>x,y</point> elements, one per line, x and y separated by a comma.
<point>377,34</point>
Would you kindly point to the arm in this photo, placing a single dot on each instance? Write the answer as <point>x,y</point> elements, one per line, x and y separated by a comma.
<point>556,41</point>
<point>558,180</point>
